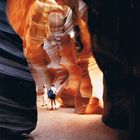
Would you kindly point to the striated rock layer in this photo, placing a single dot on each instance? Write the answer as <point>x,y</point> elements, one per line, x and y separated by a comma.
<point>58,52</point>
<point>17,88</point>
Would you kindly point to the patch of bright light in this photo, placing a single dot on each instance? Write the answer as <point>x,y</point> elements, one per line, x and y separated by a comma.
<point>96,77</point>
<point>72,34</point>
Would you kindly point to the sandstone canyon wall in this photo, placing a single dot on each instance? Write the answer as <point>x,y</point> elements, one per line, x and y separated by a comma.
<point>17,88</point>
<point>62,63</point>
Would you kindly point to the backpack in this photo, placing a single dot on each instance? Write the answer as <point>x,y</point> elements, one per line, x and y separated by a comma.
<point>50,93</point>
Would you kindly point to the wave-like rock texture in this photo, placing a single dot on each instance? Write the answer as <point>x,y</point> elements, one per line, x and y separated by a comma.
<point>18,112</point>
<point>54,53</point>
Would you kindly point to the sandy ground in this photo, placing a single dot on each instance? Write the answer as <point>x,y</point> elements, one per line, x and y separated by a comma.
<point>64,124</point>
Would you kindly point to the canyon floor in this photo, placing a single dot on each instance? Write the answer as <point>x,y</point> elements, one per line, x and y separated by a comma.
<point>64,124</point>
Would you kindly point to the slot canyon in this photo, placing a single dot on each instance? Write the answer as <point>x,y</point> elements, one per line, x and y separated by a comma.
<point>87,49</point>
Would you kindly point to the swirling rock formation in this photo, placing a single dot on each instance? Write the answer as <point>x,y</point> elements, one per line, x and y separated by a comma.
<point>59,62</point>
<point>17,88</point>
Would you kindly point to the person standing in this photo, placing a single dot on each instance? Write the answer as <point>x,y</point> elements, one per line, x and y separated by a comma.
<point>44,96</point>
<point>52,96</point>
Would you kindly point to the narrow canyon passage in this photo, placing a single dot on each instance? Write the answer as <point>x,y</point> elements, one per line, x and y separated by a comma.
<point>106,41</point>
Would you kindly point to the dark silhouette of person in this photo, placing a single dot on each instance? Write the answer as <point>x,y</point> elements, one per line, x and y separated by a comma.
<point>52,92</point>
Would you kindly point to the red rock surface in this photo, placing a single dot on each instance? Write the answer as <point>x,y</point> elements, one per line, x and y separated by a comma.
<point>57,65</point>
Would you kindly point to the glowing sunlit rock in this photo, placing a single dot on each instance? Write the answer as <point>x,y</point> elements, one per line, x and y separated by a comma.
<point>75,73</point>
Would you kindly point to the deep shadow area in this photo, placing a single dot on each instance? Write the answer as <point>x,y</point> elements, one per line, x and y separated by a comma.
<point>115,29</point>
<point>18,113</point>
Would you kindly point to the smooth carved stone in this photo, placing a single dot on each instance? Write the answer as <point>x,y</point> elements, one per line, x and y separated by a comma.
<point>36,31</point>
<point>85,36</point>
<point>52,50</point>
<point>90,102</point>
<point>94,106</point>
<point>91,84</point>
<point>37,27</point>
<point>38,63</point>
<point>81,104</point>
<point>67,53</point>
<point>35,55</point>
<point>17,12</point>
<point>57,20</point>
<point>85,60</point>
<point>41,76</point>
<point>88,106</point>
<point>59,73</point>
<point>91,87</point>
<point>66,100</point>
<point>19,15</point>
<point>18,113</point>
<point>58,64</point>
<point>85,85</point>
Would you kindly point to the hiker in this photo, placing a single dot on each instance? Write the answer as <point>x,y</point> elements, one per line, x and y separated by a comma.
<point>44,96</point>
<point>52,92</point>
